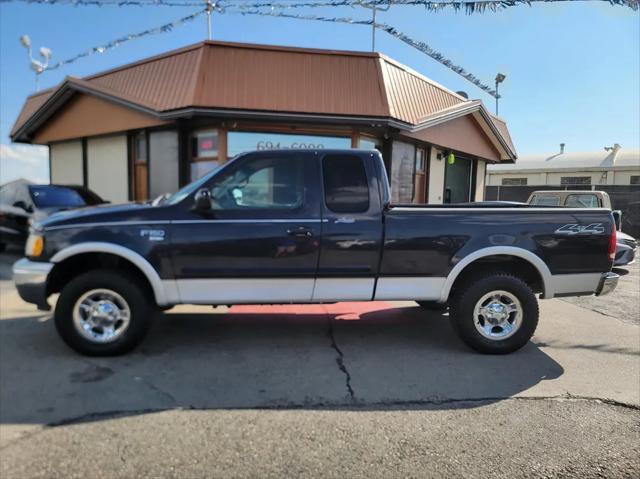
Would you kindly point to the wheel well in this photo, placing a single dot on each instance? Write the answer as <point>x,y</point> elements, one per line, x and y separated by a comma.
<point>514,265</point>
<point>66,270</point>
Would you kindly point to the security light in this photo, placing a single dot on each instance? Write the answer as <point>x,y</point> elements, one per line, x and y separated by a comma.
<point>26,41</point>
<point>500,78</point>
<point>45,52</point>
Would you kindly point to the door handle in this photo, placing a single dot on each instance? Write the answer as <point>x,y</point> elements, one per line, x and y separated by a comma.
<point>300,231</point>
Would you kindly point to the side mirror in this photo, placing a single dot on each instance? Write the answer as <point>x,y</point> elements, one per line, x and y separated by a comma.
<point>617,219</point>
<point>202,200</point>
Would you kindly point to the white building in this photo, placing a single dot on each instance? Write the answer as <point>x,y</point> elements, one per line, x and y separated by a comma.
<point>610,166</point>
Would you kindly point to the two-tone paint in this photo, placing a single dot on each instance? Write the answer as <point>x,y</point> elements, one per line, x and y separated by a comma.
<point>313,254</point>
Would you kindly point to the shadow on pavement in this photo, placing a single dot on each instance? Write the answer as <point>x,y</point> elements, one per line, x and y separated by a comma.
<point>390,358</point>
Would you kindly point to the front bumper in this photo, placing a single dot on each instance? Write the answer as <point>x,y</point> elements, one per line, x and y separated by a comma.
<point>30,278</point>
<point>608,283</point>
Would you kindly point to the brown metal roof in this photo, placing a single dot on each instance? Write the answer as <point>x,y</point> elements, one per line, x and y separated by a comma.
<point>260,78</point>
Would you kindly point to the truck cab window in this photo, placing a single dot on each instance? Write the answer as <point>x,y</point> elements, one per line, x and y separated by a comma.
<point>261,183</point>
<point>345,184</point>
<point>582,201</point>
<point>545,201</point>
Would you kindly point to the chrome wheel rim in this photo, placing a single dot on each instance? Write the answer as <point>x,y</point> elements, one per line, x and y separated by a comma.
<point>101,315</point>
<point>498,315</point>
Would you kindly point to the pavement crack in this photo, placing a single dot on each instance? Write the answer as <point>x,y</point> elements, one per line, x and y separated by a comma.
<point>340,359</point>
<point>157,389</point>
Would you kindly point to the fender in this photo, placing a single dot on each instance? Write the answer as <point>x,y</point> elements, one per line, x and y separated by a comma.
<point>527,255</point>
<point>165,292</point>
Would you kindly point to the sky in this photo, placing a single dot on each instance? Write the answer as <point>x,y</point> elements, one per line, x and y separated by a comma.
<point>572,70</point>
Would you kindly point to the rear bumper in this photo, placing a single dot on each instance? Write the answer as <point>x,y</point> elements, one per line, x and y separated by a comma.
<point>30,278</point>
<point>608,283</point>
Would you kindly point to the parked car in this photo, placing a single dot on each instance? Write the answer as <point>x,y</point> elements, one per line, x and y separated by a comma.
<point>626,244</point>
<point>22,202</point>
<point>304,226</point>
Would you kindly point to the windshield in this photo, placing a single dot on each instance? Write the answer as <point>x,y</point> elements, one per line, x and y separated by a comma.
<point>47,196</point>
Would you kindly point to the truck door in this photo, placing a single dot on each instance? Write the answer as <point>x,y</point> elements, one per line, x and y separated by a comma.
<point>351,229</point>
<point>261,240</point>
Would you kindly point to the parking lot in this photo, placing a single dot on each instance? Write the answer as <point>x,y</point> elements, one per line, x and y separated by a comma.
<point>346,390</point>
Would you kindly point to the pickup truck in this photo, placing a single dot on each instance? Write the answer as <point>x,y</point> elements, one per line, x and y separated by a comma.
<point>305,226</point>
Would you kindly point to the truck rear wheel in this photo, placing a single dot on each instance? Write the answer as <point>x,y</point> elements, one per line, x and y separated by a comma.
<point>496,313</point>
<point>103,313</point>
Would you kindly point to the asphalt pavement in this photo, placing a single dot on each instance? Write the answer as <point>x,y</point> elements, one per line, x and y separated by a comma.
<point>349,390</point>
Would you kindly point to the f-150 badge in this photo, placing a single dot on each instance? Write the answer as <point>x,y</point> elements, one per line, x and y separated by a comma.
<point>153,235</point>
<point>574,229</point>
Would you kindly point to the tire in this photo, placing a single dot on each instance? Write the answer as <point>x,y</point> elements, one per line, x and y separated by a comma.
<point>114,293</point>
<point>433,305</point>
<point>509,331</point>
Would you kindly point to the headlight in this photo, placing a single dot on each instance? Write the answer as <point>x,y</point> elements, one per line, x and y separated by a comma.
<point>35,245</point>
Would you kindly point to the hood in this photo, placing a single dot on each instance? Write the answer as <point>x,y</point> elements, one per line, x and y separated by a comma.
<point>100,214</point>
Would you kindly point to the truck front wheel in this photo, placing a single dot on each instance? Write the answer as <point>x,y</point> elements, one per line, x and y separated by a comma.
<point>496,313</point>
<point>103,313</point>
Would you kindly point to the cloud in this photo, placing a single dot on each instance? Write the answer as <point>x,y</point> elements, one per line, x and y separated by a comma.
<point>24,161</point>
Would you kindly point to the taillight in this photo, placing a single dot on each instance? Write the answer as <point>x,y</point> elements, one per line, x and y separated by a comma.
<point>612,243</point>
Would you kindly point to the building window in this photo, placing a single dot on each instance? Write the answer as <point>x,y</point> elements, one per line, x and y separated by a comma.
<point>243,141</point>
<point>370,143</point>
<point>575,180</point>
<point>514,181</point>
<point>634,180</point>
<point>345,184</point>
<point>140,167</point>
<point>204,153</point>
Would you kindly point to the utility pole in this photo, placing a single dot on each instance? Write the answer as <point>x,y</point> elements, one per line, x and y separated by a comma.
<point>374,10</point>
<point>209,8</point>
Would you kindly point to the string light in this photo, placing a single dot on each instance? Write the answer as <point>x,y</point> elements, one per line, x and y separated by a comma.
<point>275,9</point>
<point>468,6</point>
<point>133,36</point>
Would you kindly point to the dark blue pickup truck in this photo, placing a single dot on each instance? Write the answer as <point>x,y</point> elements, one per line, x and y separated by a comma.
<point>310,227</point>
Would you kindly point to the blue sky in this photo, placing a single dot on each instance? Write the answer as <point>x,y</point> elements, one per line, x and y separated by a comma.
<point>573,70</point>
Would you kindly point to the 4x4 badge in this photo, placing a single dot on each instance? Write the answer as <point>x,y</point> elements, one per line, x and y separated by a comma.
<point>574,229</point>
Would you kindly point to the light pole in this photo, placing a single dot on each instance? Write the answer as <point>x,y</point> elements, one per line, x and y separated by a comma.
<point>36,65</point>
<point>374,9</point>
<point>499,79</point>
<point>209,8</point>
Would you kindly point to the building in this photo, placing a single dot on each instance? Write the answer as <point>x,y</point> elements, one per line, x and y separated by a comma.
<point>615,170</point>
<point>609,166</point>
<point>147,128</point>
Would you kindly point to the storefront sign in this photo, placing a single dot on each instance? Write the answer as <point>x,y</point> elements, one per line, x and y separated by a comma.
<point>241,141</point>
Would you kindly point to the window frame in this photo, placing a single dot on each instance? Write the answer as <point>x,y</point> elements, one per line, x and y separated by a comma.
<point>593,195</point>
<point>305,206</point>
<point>518,181</point>
<point>578,183</point>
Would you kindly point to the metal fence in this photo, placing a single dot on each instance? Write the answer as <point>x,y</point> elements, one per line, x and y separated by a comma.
<point>625,198</point>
